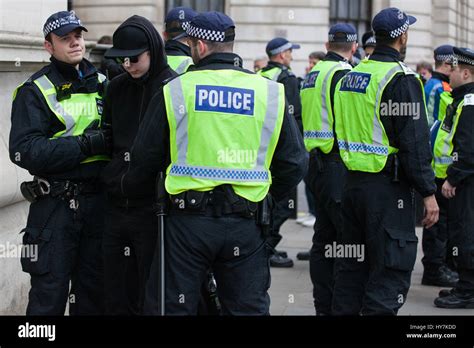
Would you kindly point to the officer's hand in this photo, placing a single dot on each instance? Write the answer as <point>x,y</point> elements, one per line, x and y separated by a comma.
<point>431,211</point>
<point>96,141</point>
<point>448,190</point>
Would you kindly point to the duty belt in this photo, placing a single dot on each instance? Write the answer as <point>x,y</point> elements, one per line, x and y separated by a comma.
<point>39,187</point>
<point>220,201</point>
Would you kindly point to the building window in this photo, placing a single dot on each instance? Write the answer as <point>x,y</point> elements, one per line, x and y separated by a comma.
<point>356,12</point>
<point>197,5</point>
<point>462,25</point>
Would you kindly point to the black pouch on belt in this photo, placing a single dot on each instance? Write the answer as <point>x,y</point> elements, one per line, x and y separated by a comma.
<point>264,215</point>
<point>195,200</point>
<point>28,190</point>
<point>33,190</point>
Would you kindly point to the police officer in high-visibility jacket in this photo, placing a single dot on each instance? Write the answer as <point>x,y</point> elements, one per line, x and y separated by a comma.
<point>280,54</point>
<point>327,171</point>
<point>177,50</point>
<point>438,96</point>
<point>383,139</point>
<point>55,135</point>
<point>454,161</point>
<point>226,140</point>
<point>438,89</point>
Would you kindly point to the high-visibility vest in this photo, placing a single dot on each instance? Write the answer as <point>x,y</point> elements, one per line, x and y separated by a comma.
<point>180,64</point>
<point>76,113</point>
<point>436,108</point>
<point>443,148</point>
<point>317,113</point>
<point>363,142</point>
<point>224,128</point>
<point>273,73</point>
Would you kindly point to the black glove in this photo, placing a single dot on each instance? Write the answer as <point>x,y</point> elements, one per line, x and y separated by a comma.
<point>95,141</point>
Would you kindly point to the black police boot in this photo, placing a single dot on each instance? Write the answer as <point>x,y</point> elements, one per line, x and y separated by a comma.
<point>445,292</point>
<point>456,299</point>
<point>303,256</point>
<point>443,276</point>
<point>278,261</point>
<point>281,253</point>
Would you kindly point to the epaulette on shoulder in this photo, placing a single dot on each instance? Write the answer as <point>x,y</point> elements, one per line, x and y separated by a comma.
<point>469,99</point>
<point>406,69</point>
<point>346,65</point>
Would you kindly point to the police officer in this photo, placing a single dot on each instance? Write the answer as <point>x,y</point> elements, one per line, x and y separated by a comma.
<point>178,52</point>
<point>454,159</point>
<point>280,53</point>
<point>387,153</point>
<point>225,128</point>
<point>434,242</point>
<point>55,135</point>
<point>368,43</point>
<point>327,171</point>
<point>438,89</point>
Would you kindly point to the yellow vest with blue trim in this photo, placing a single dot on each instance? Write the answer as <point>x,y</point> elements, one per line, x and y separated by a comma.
<point>180,64</point>
<point>273,73</point>
<point>76,113</point>
<point>317,113</point>
<point>445,99</point>
<point>444,146</point>
<point>363,142</point>
<point>224,129</point>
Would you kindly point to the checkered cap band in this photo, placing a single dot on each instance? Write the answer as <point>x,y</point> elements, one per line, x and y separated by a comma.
<point>349,37</point>
<point>371,40</point>
<point>399,31</point>
<point>205,34</point>
<point>60,22</point>
<point>462,60</point>
<point>185,25</point>
<point>444,57</point>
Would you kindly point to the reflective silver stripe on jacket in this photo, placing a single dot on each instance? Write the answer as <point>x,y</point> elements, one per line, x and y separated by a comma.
<point>70,123</point>
<point>181,115</point>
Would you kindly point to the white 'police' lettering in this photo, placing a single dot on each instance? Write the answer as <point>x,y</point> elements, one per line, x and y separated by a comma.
<point>355,82</point>
<point>225,99</point>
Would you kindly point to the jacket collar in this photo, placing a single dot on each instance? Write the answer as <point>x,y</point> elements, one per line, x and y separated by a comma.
<point>222,59</point>
<point>459,92</point>
<point>385,54</point>
<point>176,48</point>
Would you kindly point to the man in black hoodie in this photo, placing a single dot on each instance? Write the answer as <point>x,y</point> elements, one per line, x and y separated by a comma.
<point>130,234</point>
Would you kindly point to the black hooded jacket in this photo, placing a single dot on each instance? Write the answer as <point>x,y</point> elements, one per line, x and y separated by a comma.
<point>125,104</point>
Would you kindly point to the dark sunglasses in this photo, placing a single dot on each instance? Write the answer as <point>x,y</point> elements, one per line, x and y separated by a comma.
<point>123,60</point>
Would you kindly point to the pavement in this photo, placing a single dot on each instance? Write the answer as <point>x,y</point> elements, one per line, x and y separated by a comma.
<point>291,288</point>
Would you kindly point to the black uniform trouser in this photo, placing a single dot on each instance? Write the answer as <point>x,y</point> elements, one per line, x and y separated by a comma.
<point>461,233</point>
<point>435,239</point>
<point>378,215</point>
<point>282,211</point>
<point>235,250</point>
<point>327,185</point>
<point>69,248</point>
<point>129,243</point>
